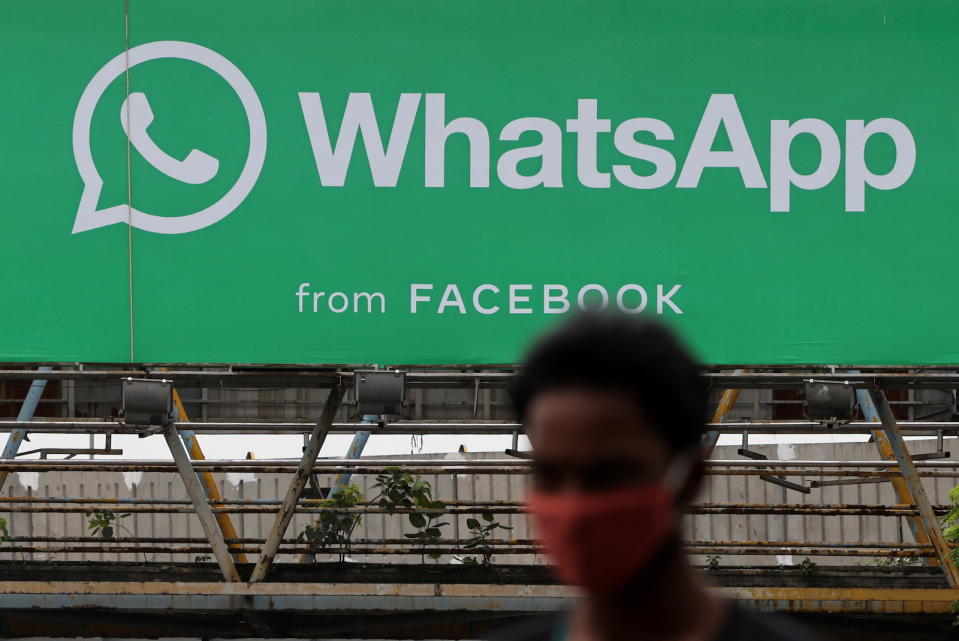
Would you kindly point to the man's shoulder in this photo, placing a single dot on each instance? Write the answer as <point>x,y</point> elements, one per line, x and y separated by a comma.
<point>742,625</point>
<point>747,625</point>
<point>536,628</point>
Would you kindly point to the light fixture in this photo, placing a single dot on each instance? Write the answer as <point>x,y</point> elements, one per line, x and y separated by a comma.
<point>380,391</point>
<point>830,401</point>
<point>147,402</point>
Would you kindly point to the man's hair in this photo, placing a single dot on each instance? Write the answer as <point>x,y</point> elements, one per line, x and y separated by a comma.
<point>615,352</point>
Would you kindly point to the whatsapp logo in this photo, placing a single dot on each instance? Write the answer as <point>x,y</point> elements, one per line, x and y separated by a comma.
<point>135,117</point>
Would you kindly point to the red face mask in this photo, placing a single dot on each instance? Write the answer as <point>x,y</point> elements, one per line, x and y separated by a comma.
<point>600,540</point>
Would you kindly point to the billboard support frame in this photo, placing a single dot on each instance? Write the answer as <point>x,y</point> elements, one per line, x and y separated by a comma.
<point>295,490</point>
<point>201,505</point>
<point>910,476</point>
<point>27,410</point>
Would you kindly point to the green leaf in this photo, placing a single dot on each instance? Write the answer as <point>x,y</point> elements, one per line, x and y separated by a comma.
<point>487,516</point>
<point>413,536</point>
<point>417,520</point>
<point>472,524</point>
<point>107,532</point>
<point>433,532</point>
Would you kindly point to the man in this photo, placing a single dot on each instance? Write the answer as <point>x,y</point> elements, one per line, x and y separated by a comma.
<point>615,409</point>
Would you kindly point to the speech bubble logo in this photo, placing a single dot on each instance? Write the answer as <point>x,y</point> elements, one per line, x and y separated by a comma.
<point>89,217</point>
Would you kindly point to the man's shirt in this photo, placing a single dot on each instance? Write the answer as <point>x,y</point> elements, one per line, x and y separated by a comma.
<point>740,625</point>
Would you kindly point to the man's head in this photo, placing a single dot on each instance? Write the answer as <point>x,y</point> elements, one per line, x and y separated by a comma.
<point>615,409</point>
<point>609,400</point>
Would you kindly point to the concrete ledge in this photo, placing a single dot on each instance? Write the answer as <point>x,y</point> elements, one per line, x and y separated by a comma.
<point>405,597</point>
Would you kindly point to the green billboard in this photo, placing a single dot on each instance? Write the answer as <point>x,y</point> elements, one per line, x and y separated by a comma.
<point>434,181</point>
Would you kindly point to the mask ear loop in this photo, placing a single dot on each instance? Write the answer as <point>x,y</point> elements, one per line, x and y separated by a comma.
<point>677,474</point>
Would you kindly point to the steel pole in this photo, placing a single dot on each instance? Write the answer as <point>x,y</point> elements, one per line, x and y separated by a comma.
<point>200,504</point>
<point>26,413</point>
<point>293,493</point>
<point>209,483</point>
<point>913,482</point>
<point>726,404</point>
<point>357,445</point>
<point>885,451</point>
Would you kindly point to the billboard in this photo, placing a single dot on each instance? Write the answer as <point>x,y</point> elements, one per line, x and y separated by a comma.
<point>434,181</point>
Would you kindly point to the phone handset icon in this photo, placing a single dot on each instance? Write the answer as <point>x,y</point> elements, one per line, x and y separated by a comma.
<point>195,169</point>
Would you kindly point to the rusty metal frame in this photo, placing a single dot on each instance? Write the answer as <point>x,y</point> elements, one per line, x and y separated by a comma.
<point>300,479</point>
<point>870,413</point>
<point>91,426</point>
<point>201,506</point>
<point>896,466</point>
<point>912,480</point>
<point>219,375</point>
<point>726,404</point>
<point>29,407</point>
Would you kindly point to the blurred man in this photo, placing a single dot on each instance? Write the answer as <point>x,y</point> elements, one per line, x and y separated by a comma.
<point>615,409</point>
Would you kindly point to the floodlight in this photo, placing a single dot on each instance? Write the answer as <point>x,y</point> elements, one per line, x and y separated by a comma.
<point>830,401</point>
<point>147,401</point>
<point>380,391</point>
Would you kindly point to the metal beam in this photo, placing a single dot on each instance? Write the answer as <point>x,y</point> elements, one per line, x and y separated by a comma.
<point>251,376</point>
<point>263,427</point>
<point>303,471</point>
<point>80,426</point>
<point>202,508</point>
<point>898,485</point>
<point>910,475</point>
<point>357,445</point>
<point>25,415</point>
<point>453,465</point>
<point>726,404</point>
<point>209,483</point>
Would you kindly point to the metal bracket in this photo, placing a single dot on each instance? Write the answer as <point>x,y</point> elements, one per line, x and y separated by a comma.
<point>769,478</point>
<point>70,452</point>
<point>854,481</point>
<point>938,454</point>
<point>928,456</point>
<point>514,451</point>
